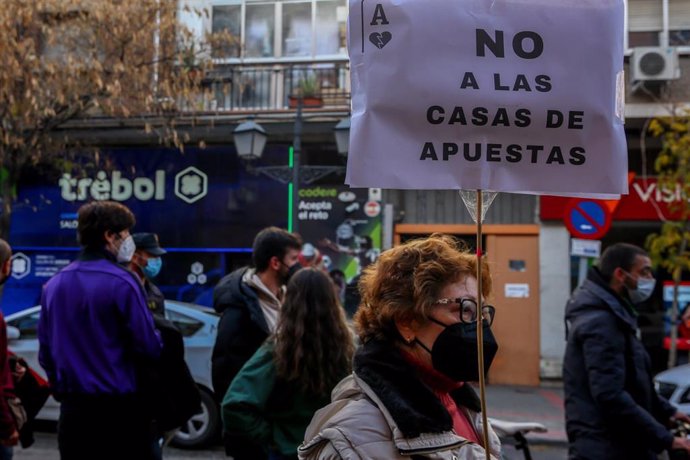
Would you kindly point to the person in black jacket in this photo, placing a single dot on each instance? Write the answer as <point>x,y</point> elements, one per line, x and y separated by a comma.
<point>146,263</point>
<point>171,393</point>
<point>249,300</point>
<point>170,390</point>
<point>612,410</point>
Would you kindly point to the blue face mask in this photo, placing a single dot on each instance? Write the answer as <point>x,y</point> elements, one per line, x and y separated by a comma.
<point>153,267</point>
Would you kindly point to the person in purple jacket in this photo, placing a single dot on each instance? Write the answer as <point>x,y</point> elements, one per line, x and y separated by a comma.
<point>94,332</point>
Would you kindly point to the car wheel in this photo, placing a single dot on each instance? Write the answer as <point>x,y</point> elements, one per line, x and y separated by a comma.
<point>201,429</point>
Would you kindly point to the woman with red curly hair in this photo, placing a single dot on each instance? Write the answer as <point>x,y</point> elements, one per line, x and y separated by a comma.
<point>408,395</point>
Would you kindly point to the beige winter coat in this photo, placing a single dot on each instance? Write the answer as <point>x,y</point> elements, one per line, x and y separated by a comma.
<point>357,425</point>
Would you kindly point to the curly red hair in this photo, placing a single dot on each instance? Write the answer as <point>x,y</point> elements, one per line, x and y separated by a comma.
<point>405,282</point>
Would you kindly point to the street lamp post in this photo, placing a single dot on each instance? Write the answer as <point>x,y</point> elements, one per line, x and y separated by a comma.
<point>296,152</point>
<point>250,140</point>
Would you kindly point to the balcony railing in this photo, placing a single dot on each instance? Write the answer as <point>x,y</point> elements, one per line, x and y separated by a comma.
<point>242,87</point>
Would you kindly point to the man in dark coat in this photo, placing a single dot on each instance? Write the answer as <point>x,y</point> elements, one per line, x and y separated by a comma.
<point>146,263</point>
<point>168,384</point>
<point>249,300</point>
<point>612,410</point>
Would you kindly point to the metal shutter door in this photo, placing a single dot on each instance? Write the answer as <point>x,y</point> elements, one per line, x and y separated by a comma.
<point>679,14</point>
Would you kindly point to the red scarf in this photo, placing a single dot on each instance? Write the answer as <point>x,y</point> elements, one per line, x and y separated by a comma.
<point>442,387</point>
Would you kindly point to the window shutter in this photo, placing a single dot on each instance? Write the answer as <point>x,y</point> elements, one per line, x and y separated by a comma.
<point>679,14</point>
<point>645,15</point>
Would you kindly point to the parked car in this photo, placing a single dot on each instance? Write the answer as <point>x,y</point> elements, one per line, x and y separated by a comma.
<point>674,385</point>
<point>198,325</point>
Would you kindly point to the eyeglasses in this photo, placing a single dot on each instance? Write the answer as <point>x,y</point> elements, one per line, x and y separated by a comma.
<point>468,310</point>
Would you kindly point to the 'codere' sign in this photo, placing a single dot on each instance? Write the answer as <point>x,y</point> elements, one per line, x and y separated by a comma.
<point>506,95</point>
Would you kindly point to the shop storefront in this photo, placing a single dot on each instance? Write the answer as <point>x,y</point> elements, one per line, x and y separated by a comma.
<point>633,218</point>
<point>204,205</point>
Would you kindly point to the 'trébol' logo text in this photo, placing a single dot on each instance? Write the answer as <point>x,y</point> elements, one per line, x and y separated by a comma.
<point>116,188</point>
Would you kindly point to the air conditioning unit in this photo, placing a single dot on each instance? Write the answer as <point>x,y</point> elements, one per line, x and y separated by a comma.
<point>655,63</point>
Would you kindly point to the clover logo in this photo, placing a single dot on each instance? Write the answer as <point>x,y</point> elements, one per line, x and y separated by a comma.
<point>191,185</point>
<point>197,274</point>
<point>21,265</point>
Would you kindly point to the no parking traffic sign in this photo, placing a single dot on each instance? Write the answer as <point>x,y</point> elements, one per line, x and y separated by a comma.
<point>587,219</point>
<point>372,208</point>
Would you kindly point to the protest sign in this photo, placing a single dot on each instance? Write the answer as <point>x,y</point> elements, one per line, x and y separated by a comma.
<point>518,96</point>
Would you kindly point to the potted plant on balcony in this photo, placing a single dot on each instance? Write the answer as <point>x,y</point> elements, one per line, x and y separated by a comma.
<point>190,66</point>
<point>308,89</point>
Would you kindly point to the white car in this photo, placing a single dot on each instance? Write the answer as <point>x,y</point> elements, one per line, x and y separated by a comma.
<point>674,385</point>
<point>199,326</point>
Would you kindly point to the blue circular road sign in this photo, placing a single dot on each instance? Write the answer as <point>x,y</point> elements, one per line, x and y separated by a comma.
<point>587,219</point>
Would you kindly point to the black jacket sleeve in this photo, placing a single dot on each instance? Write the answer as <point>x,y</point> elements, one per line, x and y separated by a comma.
<point>237,339</point>
<point>663,409</point>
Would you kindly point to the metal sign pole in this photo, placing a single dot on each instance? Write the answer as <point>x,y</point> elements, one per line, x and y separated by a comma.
<point>480,326</point>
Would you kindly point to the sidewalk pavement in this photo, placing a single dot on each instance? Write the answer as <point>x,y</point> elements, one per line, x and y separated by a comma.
<point>542,404</point>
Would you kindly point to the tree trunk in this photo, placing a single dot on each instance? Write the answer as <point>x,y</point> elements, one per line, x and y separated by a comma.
<point>677,276</point>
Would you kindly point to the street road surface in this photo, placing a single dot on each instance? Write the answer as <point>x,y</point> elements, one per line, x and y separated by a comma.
<point>46,449</point>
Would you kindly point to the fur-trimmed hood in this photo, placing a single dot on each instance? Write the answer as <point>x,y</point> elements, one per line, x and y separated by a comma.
<point>413,406</point>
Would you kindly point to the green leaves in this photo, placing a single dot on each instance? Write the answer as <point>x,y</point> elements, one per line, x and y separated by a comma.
<point>669,248</point>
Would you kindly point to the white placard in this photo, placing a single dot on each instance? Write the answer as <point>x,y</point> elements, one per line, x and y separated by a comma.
<point>585,248</point>
<point>507,95</point>
<point>517,290</point>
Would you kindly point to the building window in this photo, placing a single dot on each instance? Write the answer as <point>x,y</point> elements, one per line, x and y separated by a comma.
<point>227,18</point>
<point>645,22</point>
<point>260,30</point>
<point>636,39</point>
<point>282,29</point>
<point>328,28</point>
<point>679,37</point>
<point>297,33</point>
<point>69,37</point>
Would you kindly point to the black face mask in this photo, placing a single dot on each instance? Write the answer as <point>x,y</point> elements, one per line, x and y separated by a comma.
<point>292,269</point>
<point>454,352</point>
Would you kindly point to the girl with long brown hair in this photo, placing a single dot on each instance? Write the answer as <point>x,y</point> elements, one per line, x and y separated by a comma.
<point>272,399</point>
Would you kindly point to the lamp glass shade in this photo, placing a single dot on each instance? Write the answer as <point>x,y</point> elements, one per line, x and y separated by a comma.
<point>250,140</point>
<point>342,136</point>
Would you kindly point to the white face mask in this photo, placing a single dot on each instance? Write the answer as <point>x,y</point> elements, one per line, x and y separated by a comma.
<point>645,288</point>
<point>126,250</point>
